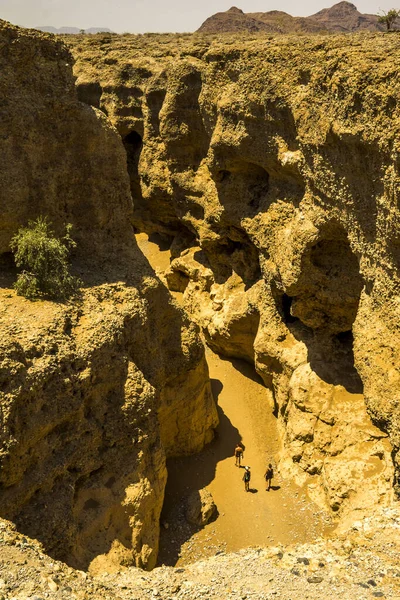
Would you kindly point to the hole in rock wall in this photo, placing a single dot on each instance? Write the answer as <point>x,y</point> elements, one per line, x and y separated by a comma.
<point>345,337</point>
<point>323,311</point>
<point>233,253</point>
<point>163,241</point>
<point>286,309</point>
<point>90,93</point>
<point>8,270</point>
<point>327,292</point>
<point>338,368</point>
<point>243,184</point>
<point>133,145</point>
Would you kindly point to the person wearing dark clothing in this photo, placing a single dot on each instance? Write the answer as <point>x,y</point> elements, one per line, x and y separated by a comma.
<point>269,474</point>
<point>246,479</point>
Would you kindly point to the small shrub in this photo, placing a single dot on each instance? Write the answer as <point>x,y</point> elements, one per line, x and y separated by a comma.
<point>44,260</point>
<point>389,18</point>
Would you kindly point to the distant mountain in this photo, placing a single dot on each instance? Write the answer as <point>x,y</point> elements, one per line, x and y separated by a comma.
<point>98,30</point>
<point>342,17</point>
<point>47,29</point>
<point>72,30</point>
<point>281,22</point>
<point>234,19</point>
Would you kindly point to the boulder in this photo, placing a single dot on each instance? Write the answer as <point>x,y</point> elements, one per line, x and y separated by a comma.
<point>200,508</point>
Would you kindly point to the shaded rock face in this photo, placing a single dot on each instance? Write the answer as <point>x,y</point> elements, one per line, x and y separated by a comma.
<point>97,393</point>
<point>89,415</point>
<point>200,508</point>
<point>274,168</point>
<point>43,155</point>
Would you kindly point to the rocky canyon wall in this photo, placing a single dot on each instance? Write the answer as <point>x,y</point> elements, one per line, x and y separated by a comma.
<point>96,393</point>
<point>272,166</point>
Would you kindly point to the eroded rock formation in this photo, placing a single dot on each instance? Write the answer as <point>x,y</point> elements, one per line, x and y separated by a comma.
<point>273,167</point>
<point>200,508</point>
<point>95,394</point>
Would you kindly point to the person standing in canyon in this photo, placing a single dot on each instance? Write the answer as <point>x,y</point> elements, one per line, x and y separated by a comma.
<point>269,474</point>
<point>246,479</point>
<point>238,455</point>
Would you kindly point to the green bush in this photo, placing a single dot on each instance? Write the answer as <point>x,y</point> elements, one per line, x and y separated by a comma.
<point>44,260</point>
<point>389,18</point>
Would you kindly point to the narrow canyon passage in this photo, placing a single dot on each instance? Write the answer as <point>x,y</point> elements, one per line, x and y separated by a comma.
<point>282,515</point>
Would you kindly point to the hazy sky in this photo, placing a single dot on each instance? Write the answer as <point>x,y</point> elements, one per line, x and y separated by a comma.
<point>139,16</point>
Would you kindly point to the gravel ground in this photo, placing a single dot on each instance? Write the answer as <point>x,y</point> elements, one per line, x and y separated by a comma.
<point>360,564</point>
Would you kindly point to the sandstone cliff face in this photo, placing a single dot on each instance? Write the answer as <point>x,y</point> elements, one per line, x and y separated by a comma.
<point>95,394</point>
<point>273,165</point>
<point>89,415</point>
<point>48,167</point>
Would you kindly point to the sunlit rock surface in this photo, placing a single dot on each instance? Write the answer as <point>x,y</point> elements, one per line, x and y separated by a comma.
<point>97,392</point>
<point>272,166</point>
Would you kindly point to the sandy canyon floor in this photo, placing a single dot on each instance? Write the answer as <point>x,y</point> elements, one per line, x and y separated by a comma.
<point>258,518</point>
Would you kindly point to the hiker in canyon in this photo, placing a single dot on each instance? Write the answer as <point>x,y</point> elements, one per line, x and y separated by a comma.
<point>246,479</point>
<point>238,455</point>
<point>269,474</point>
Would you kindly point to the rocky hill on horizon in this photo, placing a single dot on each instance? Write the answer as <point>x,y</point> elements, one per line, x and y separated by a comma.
<point>71,30</point>
<point>342,17</point>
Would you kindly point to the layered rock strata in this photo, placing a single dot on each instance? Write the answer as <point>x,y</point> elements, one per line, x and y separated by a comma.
<point>272,166</point>
<point>96,393</point>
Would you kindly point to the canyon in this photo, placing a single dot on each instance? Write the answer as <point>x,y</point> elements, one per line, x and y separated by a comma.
<point>265,186</point>
<point>267,170</point>
<point>89,390</point>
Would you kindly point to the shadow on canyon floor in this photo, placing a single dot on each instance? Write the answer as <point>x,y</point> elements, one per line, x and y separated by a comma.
<point>284,515</point>
<point>188,474</point>
<point>245,369</point>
